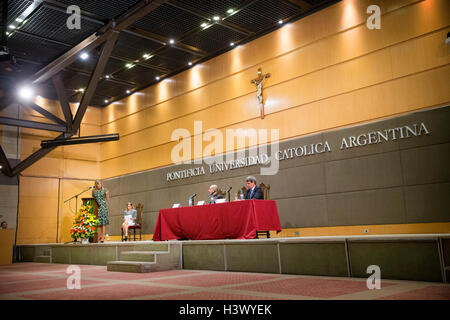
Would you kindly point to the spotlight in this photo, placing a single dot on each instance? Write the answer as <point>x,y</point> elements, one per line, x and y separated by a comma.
<point>107,76</point>
<point>230,11</point>
<point>171,41</point>
<point>146,56</point>
<point>19,20</point>
<point>81,90</point>
<point>12,26</point>
<point>128,91</point>
<point>129,65</point>
<point>216,18</point>
<point>84,56</point>
<point>231,43</point>
<point>190,63</point>
<point>280,21</point>
<point>157,78</point>
<point>203,25</point>
<point>26,93</point>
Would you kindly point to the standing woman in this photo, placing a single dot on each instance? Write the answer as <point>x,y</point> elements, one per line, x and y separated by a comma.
<point>101,194</point>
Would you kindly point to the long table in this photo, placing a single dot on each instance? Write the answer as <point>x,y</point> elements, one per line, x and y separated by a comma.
<point>229,220</point>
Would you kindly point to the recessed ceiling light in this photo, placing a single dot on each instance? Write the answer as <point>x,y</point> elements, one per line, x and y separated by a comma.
<point>19,20</point>
<point>128,91</point>
<point>231,43</point>
<point>171,41</point>
<point>203,25</point>
<point>107,76</point>
<point>26,93</point>
<point>190,63</point>
<point>81,90</point>
<point>216,18</point>
<point>280,21</point>
<point>157,78</point>
<point>129,65</point>
<point>84,56</point>
<point>230,11</point>
<point>146,56</point>
<point>106,100</point>
<point>12,26</point>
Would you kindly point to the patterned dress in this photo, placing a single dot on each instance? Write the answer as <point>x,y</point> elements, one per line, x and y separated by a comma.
<point>100,196</point>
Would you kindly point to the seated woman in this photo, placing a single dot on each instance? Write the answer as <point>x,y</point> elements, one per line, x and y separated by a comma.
<point>129,219</point>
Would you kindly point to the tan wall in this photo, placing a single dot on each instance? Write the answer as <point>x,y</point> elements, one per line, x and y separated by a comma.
<point>328,70</point>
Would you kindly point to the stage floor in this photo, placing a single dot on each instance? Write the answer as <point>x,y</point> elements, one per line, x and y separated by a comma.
<point>39,281</point>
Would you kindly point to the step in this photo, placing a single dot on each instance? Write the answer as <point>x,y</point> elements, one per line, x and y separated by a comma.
<point>142,256</point>
<point>42,259</point>
<point>129,266</point>
<point>151,247</point>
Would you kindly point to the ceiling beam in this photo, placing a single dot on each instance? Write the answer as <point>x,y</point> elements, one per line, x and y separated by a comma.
<point>93,81</point>
<point>44,112</point>
<point>301,4</point>
<point>64,103</point>
<point>32,124</point>
<point>35,156</point>
<point>6,167</point>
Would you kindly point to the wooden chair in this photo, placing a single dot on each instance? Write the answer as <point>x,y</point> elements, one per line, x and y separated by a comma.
<point>138,225</point>
<point>266,193</point>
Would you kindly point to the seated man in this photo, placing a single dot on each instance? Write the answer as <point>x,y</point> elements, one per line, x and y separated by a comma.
<point>4,225</point>
<point>253,192</point>
<point>214,195</point>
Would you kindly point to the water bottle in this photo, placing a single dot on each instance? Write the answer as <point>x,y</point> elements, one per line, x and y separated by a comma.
<point>241,194</point>
<point>190,201</point>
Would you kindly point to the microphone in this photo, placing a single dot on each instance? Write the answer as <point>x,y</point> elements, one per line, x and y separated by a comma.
<point>193,195</point>
<point>228,191</point>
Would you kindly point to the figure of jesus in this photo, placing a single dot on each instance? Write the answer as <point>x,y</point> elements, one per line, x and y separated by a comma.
<point>259,87</point>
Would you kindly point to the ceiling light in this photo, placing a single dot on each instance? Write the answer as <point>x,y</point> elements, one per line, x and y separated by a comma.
<point>157,78</point>
<point>280,21</point>
<point>1,166</point>
<point>81,90</point>
<point>107,76</point>
<point>204,25</point>
<point>230,11</point>
<point>216,18</point>
<point>106,100</point>
<point>12,26</point>
<point>146,56</point>
<point>171,41</point>
<point>129,65</point>
<point>128,91</point>
<point>231,43</point>
<point>190,63</point>
<point>19,20</point>
<point>26,93</point>
<point>84,56</point>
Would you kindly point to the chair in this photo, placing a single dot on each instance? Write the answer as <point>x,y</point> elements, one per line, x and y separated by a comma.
<point>138,225</point>
<point>266,193</point>
<point>222,193</point>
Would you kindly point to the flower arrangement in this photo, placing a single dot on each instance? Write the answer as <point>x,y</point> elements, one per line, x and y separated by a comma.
<point>84,223</point>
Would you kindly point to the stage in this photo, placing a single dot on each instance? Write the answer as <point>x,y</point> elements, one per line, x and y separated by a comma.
<point>419,257</point>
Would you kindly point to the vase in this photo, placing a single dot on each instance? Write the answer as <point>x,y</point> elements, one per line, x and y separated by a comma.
<point>85,241</point>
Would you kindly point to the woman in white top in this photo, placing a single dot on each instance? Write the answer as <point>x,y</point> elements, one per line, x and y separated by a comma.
<point>129,219</point>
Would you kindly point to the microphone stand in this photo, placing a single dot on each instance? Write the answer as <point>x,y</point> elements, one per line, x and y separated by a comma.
<point>76,196</point>
<point>228,191</point>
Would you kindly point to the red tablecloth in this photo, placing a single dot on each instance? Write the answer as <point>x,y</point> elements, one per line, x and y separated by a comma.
<point>230,220</point>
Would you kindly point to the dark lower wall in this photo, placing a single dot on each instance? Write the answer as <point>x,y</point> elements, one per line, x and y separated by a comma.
<point>396,182</point>
<point>417,258</point>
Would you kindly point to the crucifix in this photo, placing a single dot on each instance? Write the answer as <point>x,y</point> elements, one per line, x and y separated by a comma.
<point>259,87</point>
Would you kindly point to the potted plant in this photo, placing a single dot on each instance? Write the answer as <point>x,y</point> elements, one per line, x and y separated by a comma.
<point>84,224</point>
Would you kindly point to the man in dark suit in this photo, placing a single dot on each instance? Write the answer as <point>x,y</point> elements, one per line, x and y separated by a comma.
<point>213,193</point>
<point>253,191</point>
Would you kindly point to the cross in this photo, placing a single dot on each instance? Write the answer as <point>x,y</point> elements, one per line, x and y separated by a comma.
<point>259,87</point>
